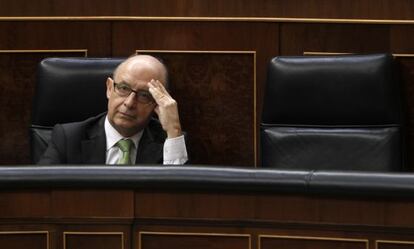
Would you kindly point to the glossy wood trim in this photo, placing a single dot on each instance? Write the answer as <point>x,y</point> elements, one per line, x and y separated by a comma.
<point>29,232</point>
<point>85,51</point>
<point>193,234</point>
<point>323,53</point>
<point>254,82</point>
<point>195,51</point>
<point>377,242</point>
<point>366,241</point>
<point>205,19</point>
<point>94,233</point>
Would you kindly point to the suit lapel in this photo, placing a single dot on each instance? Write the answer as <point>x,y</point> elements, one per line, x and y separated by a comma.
<point>149,151</point>
<point>94,147</point>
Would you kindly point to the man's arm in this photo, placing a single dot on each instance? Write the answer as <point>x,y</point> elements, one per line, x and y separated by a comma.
<point>52,154</point>
<point>175,151</point>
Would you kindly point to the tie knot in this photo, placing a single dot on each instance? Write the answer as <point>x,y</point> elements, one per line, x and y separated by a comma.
<point>124,145</point>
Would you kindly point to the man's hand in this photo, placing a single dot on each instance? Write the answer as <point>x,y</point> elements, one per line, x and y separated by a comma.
<point>166,109</point>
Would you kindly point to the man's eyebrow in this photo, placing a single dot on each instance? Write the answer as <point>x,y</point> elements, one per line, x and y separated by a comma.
<point>123,82</point>
<point>139,90</point>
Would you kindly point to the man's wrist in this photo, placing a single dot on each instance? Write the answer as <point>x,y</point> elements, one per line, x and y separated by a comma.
<point>175,152</point>
<point>174,132</point>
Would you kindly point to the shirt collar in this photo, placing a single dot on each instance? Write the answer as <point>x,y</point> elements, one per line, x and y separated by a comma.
<point>113,136</point>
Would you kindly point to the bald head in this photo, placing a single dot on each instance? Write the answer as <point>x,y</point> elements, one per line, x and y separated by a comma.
<point>142,66</point>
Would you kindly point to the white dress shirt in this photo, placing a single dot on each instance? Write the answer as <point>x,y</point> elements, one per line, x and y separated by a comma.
<point>175,151</point>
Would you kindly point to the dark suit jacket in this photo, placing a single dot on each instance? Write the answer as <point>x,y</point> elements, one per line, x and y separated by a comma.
<point>85,143</point>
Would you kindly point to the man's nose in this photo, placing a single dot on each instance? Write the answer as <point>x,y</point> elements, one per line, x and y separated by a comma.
<point>131,100</point>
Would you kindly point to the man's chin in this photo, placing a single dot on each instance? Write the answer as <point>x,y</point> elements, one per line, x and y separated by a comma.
<point>126,123</point>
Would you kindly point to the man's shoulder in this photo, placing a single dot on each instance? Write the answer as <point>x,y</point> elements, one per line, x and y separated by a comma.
<point>84,125</point>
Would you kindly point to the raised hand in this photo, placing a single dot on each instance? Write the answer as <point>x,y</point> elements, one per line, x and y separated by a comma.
<point>166,109</point>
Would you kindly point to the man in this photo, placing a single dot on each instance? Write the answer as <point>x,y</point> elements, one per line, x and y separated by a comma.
<point>127,133</point>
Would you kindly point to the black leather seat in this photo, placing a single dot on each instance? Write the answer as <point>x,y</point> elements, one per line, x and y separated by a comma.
<point>336,112</point>
<point>68,90</point>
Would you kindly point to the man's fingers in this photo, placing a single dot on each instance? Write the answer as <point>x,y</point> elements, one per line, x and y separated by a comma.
<point>155,92</point>
<point>158,91</point>
<point>158,85</point>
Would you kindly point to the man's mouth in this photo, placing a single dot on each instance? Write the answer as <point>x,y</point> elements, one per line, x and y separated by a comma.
<point>130,116</point>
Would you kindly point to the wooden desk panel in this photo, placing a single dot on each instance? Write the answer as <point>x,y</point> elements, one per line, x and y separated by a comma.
<point>144,218</point>
<point>24,239</point>
<point>92,203</point>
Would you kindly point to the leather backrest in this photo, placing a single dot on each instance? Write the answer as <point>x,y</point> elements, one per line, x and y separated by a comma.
<point>67,90</point>
<point>336,112</point>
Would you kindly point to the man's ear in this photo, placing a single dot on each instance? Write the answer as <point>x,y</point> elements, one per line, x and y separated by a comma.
<point>109,85</point>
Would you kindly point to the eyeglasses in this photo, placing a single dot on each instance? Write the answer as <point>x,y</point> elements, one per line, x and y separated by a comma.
<point>124,90</point>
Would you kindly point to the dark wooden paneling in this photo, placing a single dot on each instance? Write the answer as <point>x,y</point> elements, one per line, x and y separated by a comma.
<point>402,42</point>
<point>23,240</point>
<point>95,203</point>
<point>211,36</point>
<point>18,79</point>
<point>199,36</point>
<point>188,219</point>
<point>402,39</point>
<point>18,70</point>
<point>87,240</point>
<point>215,95</point>
<point>93,232</point>
<point>296,38</point>
<point>407,73</point>
<point>16,97</point>
<point>275,208</point>
<point>304,242</point>
<point>22,204</point>
<point>383,9</point>
<point>61,8</point>
<point>93,36</point>
<point>334,210</point>
<point>196,241</point>
<point>395,245</point>
<point>297,8</point>
<point>193,205</point>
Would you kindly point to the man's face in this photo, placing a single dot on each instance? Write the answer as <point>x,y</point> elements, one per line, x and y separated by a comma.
<point>126,114</point>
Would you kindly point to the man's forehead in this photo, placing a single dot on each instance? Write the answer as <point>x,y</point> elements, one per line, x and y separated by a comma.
<point>138,74</point>
<point>141,61</point>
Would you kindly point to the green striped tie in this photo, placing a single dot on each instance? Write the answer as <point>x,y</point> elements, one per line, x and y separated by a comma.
<point>125,146</point>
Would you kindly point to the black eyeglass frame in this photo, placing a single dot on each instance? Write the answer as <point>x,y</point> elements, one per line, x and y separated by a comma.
<point>138,93</point>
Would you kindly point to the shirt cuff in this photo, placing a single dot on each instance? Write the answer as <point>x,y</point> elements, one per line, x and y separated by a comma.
<point>175,151</point>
